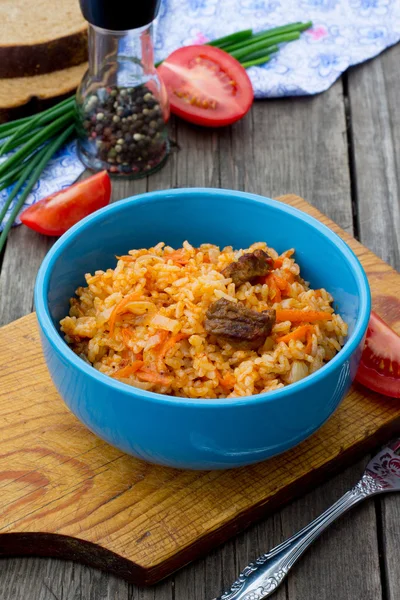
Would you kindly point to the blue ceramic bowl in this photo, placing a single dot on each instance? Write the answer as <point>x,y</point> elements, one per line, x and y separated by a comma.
<point>191,433</point>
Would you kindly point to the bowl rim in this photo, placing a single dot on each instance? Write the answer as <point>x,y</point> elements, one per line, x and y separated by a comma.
<point>61,347</point>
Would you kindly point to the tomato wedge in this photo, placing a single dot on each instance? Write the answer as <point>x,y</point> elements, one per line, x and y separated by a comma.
<point>57,213</point>
<point>206,86</point>
<point>379,368</point>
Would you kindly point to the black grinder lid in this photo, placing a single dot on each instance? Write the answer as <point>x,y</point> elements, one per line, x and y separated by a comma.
<point>119,15</point>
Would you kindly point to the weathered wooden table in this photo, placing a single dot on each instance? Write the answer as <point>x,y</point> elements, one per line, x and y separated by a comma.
<point>340,151</point>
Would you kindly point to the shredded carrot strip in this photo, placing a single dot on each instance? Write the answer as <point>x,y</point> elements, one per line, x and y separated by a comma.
<point>126,335</point>
<point>282,284</point>
<point>163,336</point>
<point>289,276</point>
<point>308,347</point>
<point>230,380</point>
<point>120,307</point>
<point>275,294</point>
<point>266,279</point>
<point>278,262</point>
<point>219,377</point>
<point>167,345</point>
<point>153,377</point>
<point>226,382</point>
<point>179,256</point>
<point>129,370</point>
<point>278,295</point>
<point>277,284</point>
<point>126,258</point>
<point>298,334</point>
<point>297,316</point>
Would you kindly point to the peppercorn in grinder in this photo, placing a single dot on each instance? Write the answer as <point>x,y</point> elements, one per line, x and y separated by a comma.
<point>122,104</point>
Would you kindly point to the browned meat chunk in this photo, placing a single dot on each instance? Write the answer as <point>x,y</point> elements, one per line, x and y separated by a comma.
<point>250,265</point>
<point>238,325</point>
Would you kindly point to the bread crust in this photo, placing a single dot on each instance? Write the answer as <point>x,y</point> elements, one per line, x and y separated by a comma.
<point>46,57</point>
<point>21,96</point>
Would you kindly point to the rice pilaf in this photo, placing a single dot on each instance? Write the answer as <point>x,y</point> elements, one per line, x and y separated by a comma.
<point>143,323</point>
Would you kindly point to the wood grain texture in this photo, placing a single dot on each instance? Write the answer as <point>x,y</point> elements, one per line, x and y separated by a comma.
<point>301,144</point>
<point>374,90</point>
<point>191,166</point>
<point>43,579</point>
<point>138,520</point>
<point>350,542</point>
<point>301,128</point>
<point>390,514</point>
<point>296,145</point>
<point>24,253</point>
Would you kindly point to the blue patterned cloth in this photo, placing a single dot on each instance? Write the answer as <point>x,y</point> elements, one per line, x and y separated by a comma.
<point>62,170</point>
<point>344,33</point>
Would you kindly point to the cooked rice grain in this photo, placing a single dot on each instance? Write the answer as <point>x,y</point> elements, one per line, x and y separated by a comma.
<point>142,323</point>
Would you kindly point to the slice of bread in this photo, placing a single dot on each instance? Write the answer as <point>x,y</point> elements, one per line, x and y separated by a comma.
<point>40,36</point>
<point>18,91</point>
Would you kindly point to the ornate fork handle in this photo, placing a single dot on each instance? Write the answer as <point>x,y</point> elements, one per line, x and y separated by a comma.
<point>261,578</point>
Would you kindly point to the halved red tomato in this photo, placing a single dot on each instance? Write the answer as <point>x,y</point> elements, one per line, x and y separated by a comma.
<point>206,86</point>
<point>379,368</point>
<point>57,213</point>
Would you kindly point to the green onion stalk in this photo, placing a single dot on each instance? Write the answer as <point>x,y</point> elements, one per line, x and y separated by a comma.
<point>244,43</point>
<point>33,140</point>
<point>29,177</point>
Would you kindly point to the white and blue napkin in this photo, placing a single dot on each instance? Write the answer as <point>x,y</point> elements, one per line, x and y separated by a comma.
<point>344,33</point>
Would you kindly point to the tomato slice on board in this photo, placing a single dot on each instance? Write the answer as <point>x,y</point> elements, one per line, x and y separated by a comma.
<point>379,368</point>
<point>57,213</point>
<point>206,86</point>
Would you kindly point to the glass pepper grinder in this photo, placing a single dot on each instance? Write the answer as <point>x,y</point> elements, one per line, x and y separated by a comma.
<point>122,104</point>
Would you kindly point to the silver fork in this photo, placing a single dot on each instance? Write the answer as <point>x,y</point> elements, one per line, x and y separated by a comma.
<point>260,579</point>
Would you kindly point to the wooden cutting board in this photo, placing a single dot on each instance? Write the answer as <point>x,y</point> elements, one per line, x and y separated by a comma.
<point>64,492</point>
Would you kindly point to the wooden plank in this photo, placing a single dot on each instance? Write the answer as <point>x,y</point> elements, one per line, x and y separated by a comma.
<point>295,146</point>
<point>111,587</point>
<point>43,579</point>
<point>300,145</point>
<point>390,514</point>
<point>39,579</point>
<point>207,577</point>
<point>166,178</point>
<point>185,512</point>
<point>349,546</point>
<point>248,545</point>
<point>24,578</point>
<point>205,159</point>
<point>198,158</point>
<point>316,165</point>
<point>24,253</point>
<point>374,89</point>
